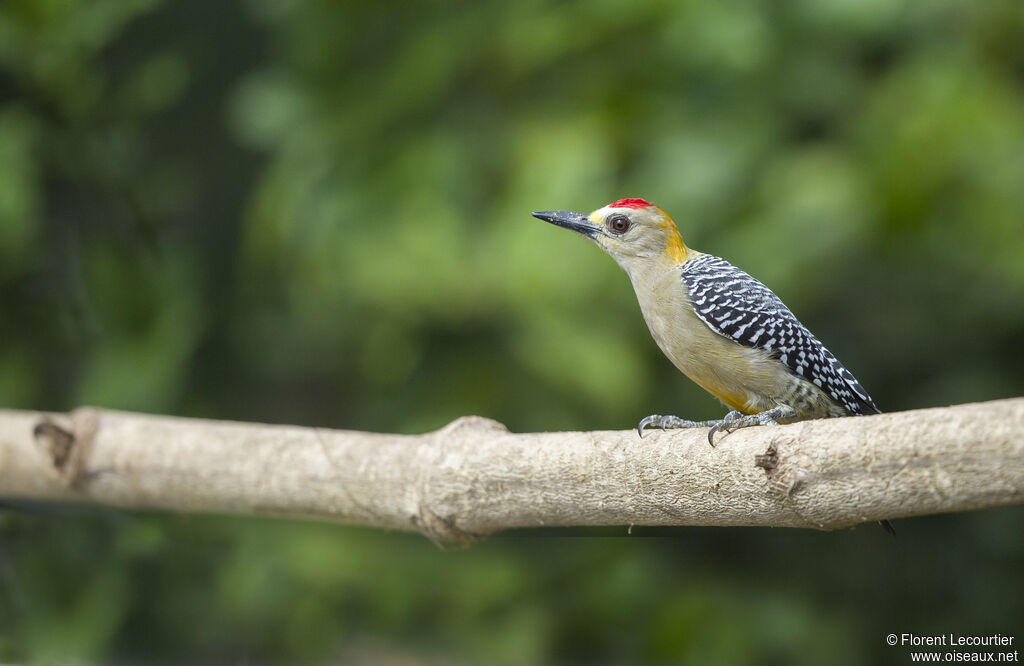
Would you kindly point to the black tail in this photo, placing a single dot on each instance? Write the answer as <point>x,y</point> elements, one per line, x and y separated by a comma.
<point>888,526</point>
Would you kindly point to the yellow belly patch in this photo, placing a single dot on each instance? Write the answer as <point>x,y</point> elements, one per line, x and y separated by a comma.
<point>736,399</point>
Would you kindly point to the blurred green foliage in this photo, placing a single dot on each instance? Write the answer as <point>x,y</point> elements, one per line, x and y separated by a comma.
<point>318,213</point>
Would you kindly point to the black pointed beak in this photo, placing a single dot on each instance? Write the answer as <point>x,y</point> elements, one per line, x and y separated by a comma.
<point>578,222</point>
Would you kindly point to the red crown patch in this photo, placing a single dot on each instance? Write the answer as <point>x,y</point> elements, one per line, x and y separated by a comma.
<point>630,203</point>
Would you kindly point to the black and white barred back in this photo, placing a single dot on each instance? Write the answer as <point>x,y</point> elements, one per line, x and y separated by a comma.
<point>736,305</point>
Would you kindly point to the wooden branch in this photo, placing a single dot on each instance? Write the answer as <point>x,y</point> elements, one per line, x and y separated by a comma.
<point>473,478</point>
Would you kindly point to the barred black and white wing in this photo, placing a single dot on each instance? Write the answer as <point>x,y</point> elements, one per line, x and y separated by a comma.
<point>737,306</point>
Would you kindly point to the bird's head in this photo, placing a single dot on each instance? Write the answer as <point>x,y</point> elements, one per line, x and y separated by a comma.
<point>627,229</point>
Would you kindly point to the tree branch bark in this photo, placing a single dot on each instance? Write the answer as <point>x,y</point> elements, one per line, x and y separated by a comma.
<point>473,478</point>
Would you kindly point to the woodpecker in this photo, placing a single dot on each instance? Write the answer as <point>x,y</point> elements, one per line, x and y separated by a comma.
<point>721,327</point>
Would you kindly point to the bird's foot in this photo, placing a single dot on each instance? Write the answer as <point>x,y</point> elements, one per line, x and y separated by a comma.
<point>734,420</point>
<point>669,422</point>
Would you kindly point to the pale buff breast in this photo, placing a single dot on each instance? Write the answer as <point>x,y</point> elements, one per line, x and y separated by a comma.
<point>744,378</point>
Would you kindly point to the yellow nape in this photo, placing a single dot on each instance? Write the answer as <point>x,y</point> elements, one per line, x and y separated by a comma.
<point>674,246</point>
<point>675,249</point>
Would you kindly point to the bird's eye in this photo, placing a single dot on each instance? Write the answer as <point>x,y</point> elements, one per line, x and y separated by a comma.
<point>618,224</point>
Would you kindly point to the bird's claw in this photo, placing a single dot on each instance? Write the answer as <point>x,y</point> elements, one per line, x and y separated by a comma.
<point>726,425</point>
<point>665,422</point>
<point>715,428</point>
<point>644,422</point>
<point>735,420</point>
